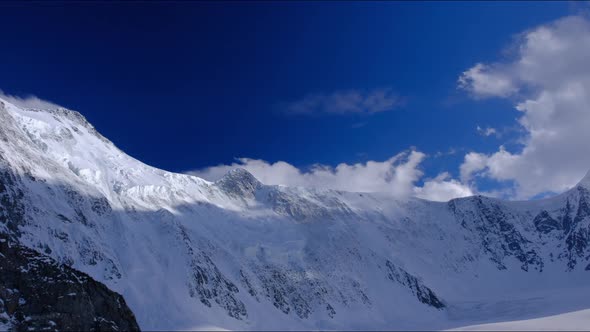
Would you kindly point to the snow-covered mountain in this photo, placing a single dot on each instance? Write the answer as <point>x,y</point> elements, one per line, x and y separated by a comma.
<point>187,253</point>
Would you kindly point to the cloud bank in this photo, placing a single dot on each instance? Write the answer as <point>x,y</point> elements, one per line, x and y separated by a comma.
<point>345,102</point>
<point>548,79</point>
<point>397,175</point>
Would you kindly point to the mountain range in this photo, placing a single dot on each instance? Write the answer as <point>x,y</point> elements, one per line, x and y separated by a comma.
<point>92,238</point>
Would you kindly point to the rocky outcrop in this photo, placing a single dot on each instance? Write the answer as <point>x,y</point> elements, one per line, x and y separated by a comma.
<point>207,283</point>
<point>544,223</point>
<point>36,293</point>
<point>494,227</point>
<point>423,293</point>
<point>239,183</point>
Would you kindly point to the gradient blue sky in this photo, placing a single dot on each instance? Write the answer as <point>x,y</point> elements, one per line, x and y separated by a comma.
<point>183,86</point>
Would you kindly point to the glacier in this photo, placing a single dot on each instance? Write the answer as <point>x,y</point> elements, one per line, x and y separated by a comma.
<point>186,253</point>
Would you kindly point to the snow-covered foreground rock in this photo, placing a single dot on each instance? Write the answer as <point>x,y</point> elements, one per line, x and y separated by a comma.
<point>186,253</point>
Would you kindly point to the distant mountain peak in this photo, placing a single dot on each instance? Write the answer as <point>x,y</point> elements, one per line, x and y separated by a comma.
<point>239,182</point>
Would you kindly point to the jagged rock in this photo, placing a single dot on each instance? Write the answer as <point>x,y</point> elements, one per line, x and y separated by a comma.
<point>208,283</point>
<point>499,237</point>
<point>37,293</point>
<point>239,183</point>
<point>423,293</point>
<point>545,223</point>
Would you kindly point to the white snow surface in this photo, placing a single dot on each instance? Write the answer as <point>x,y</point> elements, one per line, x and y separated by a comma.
<point>236,254</point>
<point>571,321</point>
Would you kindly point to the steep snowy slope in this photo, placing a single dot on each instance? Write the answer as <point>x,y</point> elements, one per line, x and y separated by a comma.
<point>187,253</point>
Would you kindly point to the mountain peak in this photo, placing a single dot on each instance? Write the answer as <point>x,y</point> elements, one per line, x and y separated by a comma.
<point>41,106</point>
<point>239,182</point>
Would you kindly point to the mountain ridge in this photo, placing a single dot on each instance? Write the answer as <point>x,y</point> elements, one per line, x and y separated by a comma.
<point>185,252</point>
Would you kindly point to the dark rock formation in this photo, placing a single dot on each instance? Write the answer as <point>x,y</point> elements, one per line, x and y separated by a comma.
<point>423,293</point>
<point>544,223</point>
<point>36,293</point>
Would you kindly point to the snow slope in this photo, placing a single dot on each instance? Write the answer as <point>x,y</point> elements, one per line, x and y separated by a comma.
<point>236,254</point>
<point>571,321</point>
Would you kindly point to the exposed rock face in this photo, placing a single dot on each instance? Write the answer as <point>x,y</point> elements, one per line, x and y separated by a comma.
<point>496,230</point>
<point>207,283</point>
<point>36,293</point>
<point>423,293</point>
<point>239,183</point>
<point>545,223</point>
<point>12,211</point>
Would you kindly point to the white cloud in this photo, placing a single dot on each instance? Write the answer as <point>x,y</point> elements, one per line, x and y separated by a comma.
<point>442,188</point>
<point>346,102</point>
<point>472,163</point>
<point>549,78</point>
<point>28,101</point>
<point>396,175</point>
<point>486,81</point>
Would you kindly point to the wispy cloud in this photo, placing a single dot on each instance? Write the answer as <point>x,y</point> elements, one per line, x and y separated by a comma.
<point>28,101</point>
<point>345,102</point>
<point>488,131</point>
<point>450,152</point>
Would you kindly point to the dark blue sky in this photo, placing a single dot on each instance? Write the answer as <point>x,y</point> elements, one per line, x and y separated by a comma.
<point>186,85</point>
